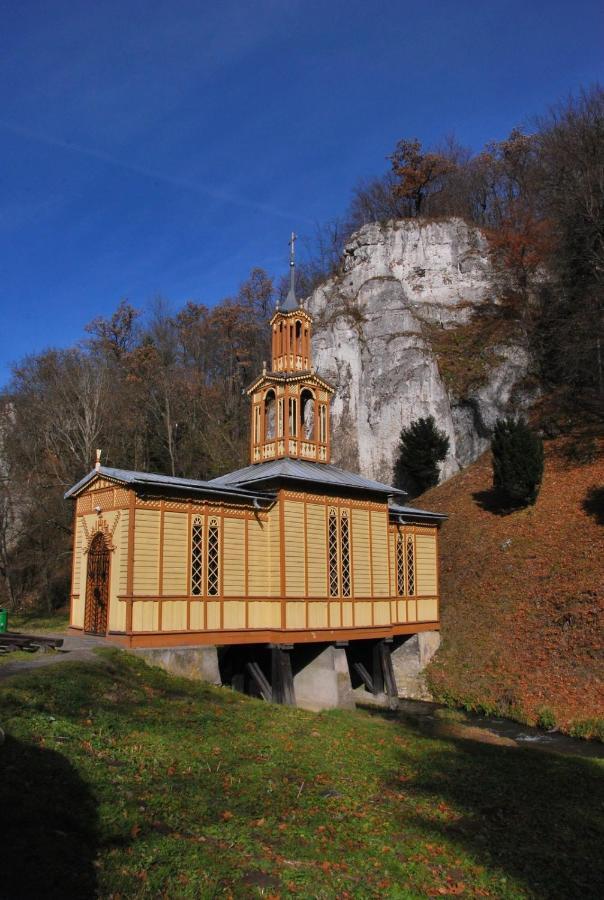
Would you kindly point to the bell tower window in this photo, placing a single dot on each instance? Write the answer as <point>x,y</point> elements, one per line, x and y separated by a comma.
<point>307,414</point>
<point>293,419</point>
<point>322,424</point>
<point>269,415</point>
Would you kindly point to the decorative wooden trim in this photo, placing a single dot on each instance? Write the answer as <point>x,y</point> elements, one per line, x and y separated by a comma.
<point>437,536</point>
<point>371,564</point>
<point>267,635</point>
<point>246,568</point>
<point>75,527</point>
<point>306,550</point>
<point>160,573</point>
<point>189,556</point>
<point>282,571</point>
<point>350,502</point>
<point>130,564</point>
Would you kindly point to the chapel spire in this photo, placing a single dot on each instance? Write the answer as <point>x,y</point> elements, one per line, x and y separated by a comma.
<point>291,304</point>
<point>290,402</point>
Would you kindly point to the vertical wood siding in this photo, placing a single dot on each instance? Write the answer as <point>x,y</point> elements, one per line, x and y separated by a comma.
<point>294,549</point>
<point>316,544</point>
<point>379,555</point>
<point>274,557</point>
<point>361,562</point>
<point>425,564</point>
<point>146,552</point>
<point>175,574</point>
<point>258,560</point>
<point>233,549</point>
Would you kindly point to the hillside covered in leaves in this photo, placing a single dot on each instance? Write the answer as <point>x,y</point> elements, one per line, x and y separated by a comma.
<point>523,593</point>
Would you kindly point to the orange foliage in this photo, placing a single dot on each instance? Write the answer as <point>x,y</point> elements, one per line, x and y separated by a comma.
<point>522,593</point>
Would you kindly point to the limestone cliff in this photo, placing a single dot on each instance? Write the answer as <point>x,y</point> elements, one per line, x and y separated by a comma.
<point>410,327</point>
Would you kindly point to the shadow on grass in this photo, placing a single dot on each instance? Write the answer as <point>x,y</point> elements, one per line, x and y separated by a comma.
<point>495,502</point>
<point>49,825</point>
<point>593,504</point>
<point>536,817</point>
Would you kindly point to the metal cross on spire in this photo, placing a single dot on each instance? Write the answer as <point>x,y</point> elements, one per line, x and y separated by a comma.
<point>291,303</point>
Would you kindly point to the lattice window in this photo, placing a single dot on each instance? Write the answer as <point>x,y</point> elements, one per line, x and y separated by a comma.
<point>197,556</point>
<point>213,558</point>
<point>345,553</point>
<point>334,581</point>
<point>410,566</point>
<point>400,565</point>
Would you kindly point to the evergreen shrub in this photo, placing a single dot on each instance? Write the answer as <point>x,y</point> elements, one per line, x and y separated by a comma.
<point>517,461</point>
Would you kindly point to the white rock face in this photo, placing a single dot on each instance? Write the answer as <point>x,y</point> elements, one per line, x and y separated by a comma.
<point>368,342</point>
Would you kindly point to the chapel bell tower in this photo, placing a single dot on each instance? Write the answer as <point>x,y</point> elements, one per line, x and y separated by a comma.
<point>290,403</point>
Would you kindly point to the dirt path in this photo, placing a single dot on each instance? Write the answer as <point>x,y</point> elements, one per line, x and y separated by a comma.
<point>75,647</point>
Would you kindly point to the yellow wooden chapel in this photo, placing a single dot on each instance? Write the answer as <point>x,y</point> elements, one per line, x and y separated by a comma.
<point>290,549</point>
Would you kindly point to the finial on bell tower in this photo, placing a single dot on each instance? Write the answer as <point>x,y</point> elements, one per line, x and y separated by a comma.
<point>97,464</point>
<point>291,303</point>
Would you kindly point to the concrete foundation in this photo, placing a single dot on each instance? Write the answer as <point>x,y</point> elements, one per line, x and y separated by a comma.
<point>322,676</point>
<point>324,681</point>
<point>197,663</point>
<point>409,661</point>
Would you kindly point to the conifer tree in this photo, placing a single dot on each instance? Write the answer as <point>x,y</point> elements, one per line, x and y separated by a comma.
<point>421,448</point>
<point>517,461</point>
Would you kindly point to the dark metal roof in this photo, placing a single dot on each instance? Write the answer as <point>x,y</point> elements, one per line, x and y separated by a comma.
<point>411,512</point>
<point>301,470</point>
<point>146,479</point>
<point>241,484</point>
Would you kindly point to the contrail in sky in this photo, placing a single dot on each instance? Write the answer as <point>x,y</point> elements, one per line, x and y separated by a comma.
<point>183,183</point>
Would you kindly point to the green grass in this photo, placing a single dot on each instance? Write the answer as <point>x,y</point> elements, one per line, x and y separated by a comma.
<point>121,781</point>
<point>16,656</point>
<point>38,621</point>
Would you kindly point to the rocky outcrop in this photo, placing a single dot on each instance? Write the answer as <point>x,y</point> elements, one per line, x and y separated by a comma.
<point>400,286</point>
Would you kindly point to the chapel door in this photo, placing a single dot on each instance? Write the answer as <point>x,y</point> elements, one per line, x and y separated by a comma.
<point>97,587</point>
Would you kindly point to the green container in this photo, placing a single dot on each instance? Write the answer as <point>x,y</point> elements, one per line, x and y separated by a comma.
<point>3,620</point>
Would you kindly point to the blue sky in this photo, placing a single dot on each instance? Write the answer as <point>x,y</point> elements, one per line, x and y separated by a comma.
<point>155,148</point>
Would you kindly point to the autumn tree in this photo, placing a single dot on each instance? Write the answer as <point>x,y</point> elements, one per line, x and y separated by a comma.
<point>571,328</point>
<point>419,173</point>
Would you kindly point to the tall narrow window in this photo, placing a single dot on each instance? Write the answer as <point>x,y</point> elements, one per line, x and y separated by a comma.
<point>400,565</point>
<point>410,567</point>
<point>334,581</point>
<point>257,424</point>
<point>322,424</point>
<point>213,558</point>
<point>299,338</point>
<point>280,417</point>
<point>293,423</point>
<point>197,556</point>
<point>345,553</point>
<point>269,416</point>
<point>307,414</point>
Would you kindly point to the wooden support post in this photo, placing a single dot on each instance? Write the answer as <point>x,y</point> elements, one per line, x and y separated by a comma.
<point>262,685</point>
<point>238,682</point>
<point>387,669</point>
<point>378,668</point>
<point>282,677</point>
<point>364,676</point>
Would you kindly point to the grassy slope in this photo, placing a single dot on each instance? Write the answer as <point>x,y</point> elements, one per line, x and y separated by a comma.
<point>122,781</point>
<point>522,597</point>
<point>38,621</point>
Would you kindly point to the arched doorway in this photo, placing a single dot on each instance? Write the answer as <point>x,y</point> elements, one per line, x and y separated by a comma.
<point>97,587</point>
